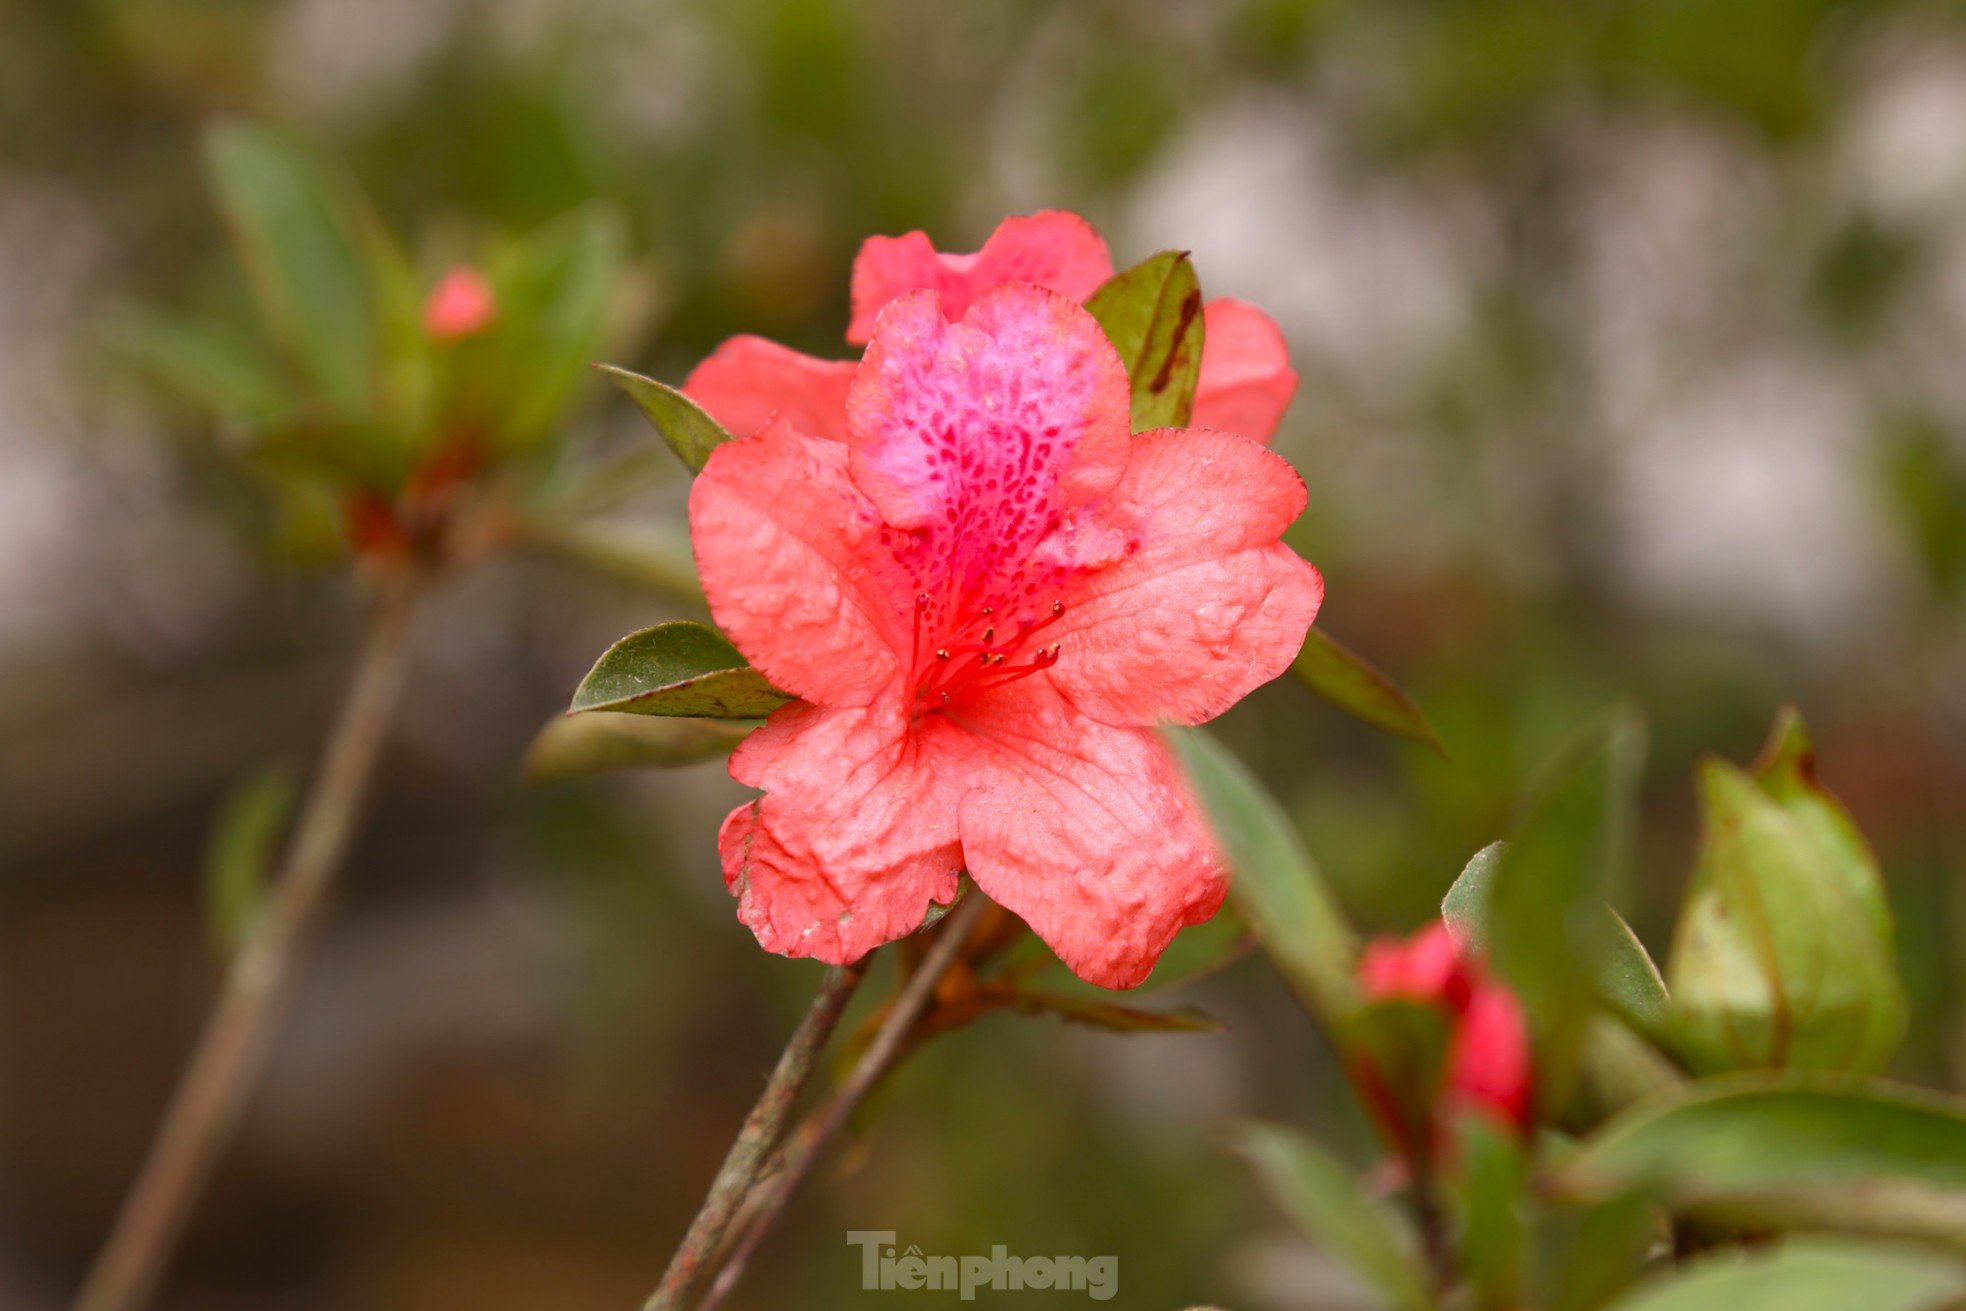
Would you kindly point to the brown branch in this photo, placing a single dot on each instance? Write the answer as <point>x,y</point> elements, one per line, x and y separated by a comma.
<point>213,1092</point>
<point>761,1132</point>
<point>889,1045</point>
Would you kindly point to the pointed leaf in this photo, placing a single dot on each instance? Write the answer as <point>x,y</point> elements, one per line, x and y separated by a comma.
<point>1795,1150</point>
<point>1547,930</point>
<point>1630,982</point>
<point>1152,315</point>
<point>677,668</point>
<point>1276,884</point>
<point>239,854</point>
<point>299,231</point>
<point>1782,955</point>
<point>691,433</point>
<point>1805,1276</point>
<point>573,746</point>
<point>1320,1195</point>
<point>201,362</point>
<point>1492,1179</point>
<point>1341,677</point>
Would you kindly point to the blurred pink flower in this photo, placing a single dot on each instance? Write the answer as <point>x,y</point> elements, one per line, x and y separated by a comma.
<point>986,593</point>
<point>460,305</point>
<point>1488,1065</point>
<point>1246,378</point>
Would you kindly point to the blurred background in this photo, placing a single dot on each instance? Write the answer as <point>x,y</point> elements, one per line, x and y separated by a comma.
<point>1631,335</point>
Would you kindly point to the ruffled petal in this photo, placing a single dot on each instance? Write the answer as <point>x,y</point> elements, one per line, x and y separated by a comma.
<point>851,841</point>
<point>1056,250</point>
<point>792,564</point>
<point>1246,378</point>
<point>1086,832</point>
<point>1207,605</point>
<point>749,379</point>
<point>986,432</point>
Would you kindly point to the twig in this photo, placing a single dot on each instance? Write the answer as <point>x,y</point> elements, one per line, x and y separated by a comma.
<point>210,1097</point>
<point>825,1124</point>
<point>761,1132</point>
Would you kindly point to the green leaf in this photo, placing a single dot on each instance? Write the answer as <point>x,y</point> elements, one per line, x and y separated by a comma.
<point>1493,1176</point>
<point>1805,1276</point>
<point>1782,956</point>
<point>1335,673</point>
<point>1115,1018</point>
<point>1587,1254</point>
<point>1795,1150</point>
<point>1276,884</point>
<point>239,854</point>
<point>299,231</point>
<point>646,552</point>
<point>1152,313</point>
<point>678,668</point>
<point>573,746</point>
<point>201,362</point>
<point>691,433</point>
<point>1547,927</point>
<point>554,291</point>
<point>1630,982</point>
<point>1324,1201</point>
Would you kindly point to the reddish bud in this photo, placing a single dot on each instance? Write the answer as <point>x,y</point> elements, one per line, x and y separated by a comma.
<point>374,531</point>
<point>1488,1066</point>
<point>460,305</point>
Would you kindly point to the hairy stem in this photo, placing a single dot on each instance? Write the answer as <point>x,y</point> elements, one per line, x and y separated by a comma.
<point>213,1091</point>
<point>760,1134</point>
<point>890,1043</point>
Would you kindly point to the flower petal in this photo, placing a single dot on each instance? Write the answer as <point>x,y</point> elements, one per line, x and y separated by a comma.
<point>1054,249</point>
<point>984,433</point>
<point>781,535</point>
<point>851,841</point>
<point>1246,378</point>
<point>750,378</point>
<point>1208,605</point>
<point>1086,832</point>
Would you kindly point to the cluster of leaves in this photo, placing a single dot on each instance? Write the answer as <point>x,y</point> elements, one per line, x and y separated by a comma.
<point>362,418</point>
<point>1687,1118</point>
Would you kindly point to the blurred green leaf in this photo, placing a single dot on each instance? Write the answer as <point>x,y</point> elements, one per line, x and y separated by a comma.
<point>554,292</point>
<point>1547,928</point>
<point>691,433</point>
<point>648,552</point>
<point>1335,673</point>
<point>1806,1276</point>
<point>1319,1194</point>
<point>1494,1173</point>
<point>678,668</point>
<point>1794,1150</point>
<point>1630,982</point>
<point>1587,1254</point>
<point>201,362</point>
<point>300,234</point>
<point>1276,884</point>
<point>1152,314</point>
<point>239,854</point>
<point>1782,955</point>
<point>573,746</point>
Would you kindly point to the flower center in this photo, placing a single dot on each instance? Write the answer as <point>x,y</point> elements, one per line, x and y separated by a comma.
<point>978,656</point>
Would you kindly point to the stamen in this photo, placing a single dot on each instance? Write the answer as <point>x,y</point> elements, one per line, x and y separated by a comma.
<point>952,675</point>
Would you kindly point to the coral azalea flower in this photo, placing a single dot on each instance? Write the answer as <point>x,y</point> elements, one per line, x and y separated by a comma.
<point>985,595</point>
<point>1246,378</point>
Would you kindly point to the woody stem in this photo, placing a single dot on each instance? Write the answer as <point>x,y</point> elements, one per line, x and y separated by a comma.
<point>813,1136</point>
<point>213,1092</point>
<point>762,1129</point>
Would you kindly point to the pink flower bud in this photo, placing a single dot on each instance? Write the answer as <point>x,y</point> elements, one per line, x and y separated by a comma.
<point>1488,1066</point>
<point>460,305</point>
